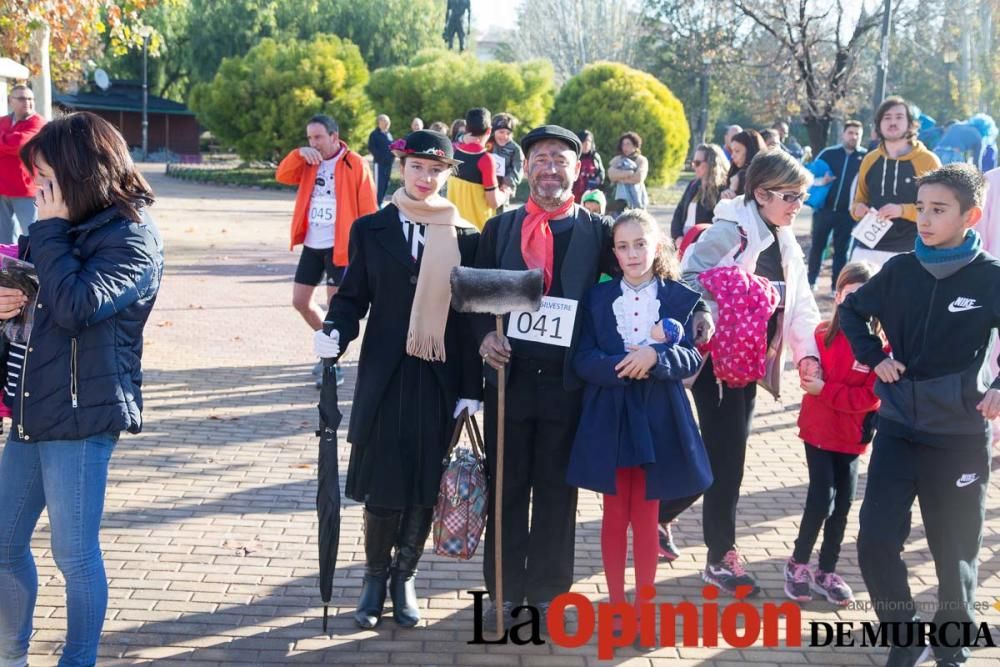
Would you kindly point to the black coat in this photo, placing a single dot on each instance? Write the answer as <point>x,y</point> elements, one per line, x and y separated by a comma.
<point>382,276</point>
<point>82,373</point>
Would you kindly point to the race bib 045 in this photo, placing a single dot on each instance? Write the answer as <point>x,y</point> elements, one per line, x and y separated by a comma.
<point>551,324</point>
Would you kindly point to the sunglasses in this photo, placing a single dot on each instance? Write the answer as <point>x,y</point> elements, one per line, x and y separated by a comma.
<point>24,99</point>
<point>697,163</point>
<point>788,197</point>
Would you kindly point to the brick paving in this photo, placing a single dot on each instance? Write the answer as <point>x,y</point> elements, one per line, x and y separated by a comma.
<point>210,529</point>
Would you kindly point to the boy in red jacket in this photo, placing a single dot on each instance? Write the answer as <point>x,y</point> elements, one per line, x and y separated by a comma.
<point>836,423</point>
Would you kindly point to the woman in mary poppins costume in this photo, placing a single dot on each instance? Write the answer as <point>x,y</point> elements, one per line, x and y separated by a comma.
<point>418,367</point>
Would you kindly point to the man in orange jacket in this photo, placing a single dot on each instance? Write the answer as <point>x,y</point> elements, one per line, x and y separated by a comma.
<point>335,189</point>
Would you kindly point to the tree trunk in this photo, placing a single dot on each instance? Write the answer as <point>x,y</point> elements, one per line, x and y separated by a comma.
<point>819,132</point>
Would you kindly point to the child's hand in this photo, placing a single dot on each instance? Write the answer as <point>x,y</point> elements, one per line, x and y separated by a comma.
<point>990,405</point>
<point>704,327</point>
<point>637,362</point>
<point>809,369</point>
<point>812,386</point>
<point>889,370</point>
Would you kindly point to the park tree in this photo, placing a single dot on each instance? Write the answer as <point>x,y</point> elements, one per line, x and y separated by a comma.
<point>79,31</point>
<point>259,103</point>
<point>695,47</point>
<point>611,98</point>
<point>443,85</point>
<point>574,33</point>
<point>816,47</point>
<point>387,32</point>
<point>224,29</point>
<point>170,64</point>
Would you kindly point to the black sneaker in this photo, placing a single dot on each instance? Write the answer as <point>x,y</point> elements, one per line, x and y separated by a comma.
<point>665,539</point>
<point>729,573</point>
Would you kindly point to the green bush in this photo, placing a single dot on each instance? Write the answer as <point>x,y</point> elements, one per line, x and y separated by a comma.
<point>611,98</point>
<point>443,85</point>
<point>259,104</point>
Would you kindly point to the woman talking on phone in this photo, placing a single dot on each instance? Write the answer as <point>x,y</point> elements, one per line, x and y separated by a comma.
<point>78,373</point>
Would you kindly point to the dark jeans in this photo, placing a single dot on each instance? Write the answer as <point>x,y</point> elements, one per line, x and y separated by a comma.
<point>540,423</point>
<point>725,428</point>
<point>950,484</point>
<point>824,222</point>
<point>833,478</point>
<point>382,173</point>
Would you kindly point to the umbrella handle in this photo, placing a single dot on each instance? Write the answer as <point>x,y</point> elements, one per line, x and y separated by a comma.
<point>498,489</point>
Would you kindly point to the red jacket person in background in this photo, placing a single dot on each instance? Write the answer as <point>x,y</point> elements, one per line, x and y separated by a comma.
<point>17,189</point>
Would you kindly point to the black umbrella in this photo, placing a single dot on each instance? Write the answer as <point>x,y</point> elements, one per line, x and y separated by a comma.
<point>328,489</point>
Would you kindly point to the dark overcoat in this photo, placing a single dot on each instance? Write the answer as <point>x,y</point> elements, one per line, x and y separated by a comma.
<point>380,282</point>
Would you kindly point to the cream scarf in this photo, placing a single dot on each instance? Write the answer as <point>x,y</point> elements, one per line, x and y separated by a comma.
<point>429,313</point>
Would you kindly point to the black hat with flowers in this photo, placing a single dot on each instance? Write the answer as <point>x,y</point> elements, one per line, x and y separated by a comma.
<point>425,144</point>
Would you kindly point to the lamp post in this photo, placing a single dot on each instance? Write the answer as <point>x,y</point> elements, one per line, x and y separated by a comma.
<point>698,137</point>
<point>145,31</point>
<point>950,57</point>
<point>706,60</point>
<point>882,72</point>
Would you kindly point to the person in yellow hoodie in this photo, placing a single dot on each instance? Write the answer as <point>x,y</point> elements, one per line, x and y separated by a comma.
<point>887,184</point>
<point>335,189</point>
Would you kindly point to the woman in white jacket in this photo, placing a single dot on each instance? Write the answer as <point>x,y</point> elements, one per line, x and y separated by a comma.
<point>752,231</point>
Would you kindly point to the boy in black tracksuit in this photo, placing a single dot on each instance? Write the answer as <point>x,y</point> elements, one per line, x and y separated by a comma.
<point>938,307</point>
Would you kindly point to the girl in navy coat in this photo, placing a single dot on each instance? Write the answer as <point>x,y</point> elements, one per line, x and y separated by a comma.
<point>637,442</point>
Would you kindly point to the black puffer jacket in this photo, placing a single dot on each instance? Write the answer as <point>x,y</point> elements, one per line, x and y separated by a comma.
<point>82,372</point>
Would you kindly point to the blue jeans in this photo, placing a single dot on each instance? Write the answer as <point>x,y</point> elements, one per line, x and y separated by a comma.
<point>69,477</point>
<point>16,216</point>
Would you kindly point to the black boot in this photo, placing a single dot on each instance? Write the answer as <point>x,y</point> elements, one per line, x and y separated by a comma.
<point>380,535</point>
<point>413,531</point>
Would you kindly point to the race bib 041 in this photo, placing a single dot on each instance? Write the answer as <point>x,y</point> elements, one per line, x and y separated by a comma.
<point>551,324</point>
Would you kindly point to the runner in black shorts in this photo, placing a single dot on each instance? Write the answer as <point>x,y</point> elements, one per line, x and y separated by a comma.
<point>335,188</point>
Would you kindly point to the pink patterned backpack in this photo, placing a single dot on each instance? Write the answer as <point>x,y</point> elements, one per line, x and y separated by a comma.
<point>460,513</point>
<point>746,303</point>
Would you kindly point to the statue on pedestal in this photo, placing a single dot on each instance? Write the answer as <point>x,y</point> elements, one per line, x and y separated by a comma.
<point>454,25</point>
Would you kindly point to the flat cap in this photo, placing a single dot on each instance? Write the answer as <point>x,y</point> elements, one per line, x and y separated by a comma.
<point>556,132</point>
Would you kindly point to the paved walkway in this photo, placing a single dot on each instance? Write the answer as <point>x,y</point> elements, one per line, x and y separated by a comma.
<point>210,529</point>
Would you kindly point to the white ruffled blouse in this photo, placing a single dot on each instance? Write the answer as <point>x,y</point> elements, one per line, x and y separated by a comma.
<point>636,311</point>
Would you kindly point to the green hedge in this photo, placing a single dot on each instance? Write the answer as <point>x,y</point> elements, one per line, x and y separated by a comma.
<point>257,177</point>
<point>610,98</point>
<point>259,103</point>
<point>443,85</point>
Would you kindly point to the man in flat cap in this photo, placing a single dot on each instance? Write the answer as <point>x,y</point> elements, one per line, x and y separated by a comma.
<point>572,246</point>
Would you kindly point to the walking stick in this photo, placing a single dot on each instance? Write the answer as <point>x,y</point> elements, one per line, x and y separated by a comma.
<point>498,485</point>
<point>497,292</point>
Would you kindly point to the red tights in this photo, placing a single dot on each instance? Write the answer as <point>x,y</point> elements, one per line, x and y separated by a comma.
<point>629,507</point>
